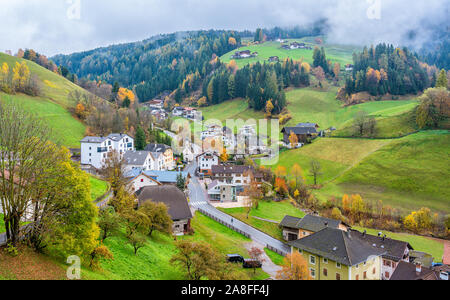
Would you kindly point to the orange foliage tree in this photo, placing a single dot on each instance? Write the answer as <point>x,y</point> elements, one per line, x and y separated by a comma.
<point>294,268</point>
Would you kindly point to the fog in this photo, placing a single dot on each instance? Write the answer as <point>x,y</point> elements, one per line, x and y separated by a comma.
<point>65,26</point>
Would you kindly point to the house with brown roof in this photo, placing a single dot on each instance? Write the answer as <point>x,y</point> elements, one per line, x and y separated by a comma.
<point>396,251</point>
<point>410,271</point>
<point>176,202</point>
<point>235,174</point>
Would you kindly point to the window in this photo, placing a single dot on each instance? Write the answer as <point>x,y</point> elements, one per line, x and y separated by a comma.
<point>338,276</point>
<point>386,275</point>
<point>312,259</point>
<point>374,271</point>
<point>142,180</point>
<point>357,266</point>
<point>313,272</point>
<point>394,265</point>
<point>325,260</point>
<point>365,275</point>
<point>338,265</point>
<point>300,251</point>
<point>325,272</point>
<point>357,277</point>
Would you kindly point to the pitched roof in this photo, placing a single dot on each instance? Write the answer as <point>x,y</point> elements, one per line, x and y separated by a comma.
<point>117,136</point>
<point>339,246</point>
<point>168,177</point>
<point>136,158</point>
<point>299,130</point>
<point>230,169</point>
<point>161,148</point>
<point>317,223</point>
<point>407,271</point>
<point>290,222</point>
<point>94,139</point>
<point>395,250</point>
<point>170,195</point>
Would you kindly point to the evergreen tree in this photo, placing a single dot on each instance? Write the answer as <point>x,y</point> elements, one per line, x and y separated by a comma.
<point>442,80</point>
<point>140,140</point>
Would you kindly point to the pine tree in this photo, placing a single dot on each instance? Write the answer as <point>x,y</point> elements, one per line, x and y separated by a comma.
<point>140,139</point>
<point>442,79</point>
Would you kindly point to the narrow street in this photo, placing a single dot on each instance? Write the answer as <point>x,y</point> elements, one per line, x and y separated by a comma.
<point>199,201</point>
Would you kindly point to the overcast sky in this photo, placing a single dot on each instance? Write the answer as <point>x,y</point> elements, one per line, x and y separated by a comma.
<point>58,26</point>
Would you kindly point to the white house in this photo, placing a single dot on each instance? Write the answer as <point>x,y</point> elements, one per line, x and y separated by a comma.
<point>143,160</point>
<point>163,155</point>
<point>95,150</point>
<point>191,151</point>
<point>206,161</point>
<point>142,180</point>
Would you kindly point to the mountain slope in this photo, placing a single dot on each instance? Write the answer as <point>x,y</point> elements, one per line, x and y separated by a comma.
<point>53,105</point>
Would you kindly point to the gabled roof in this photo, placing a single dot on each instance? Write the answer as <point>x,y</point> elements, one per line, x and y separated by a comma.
<point>339,246</point>
<point>299,130</point>
<point>311,223</point>
<point>157,148</point>
<point>167,177</point>
<point>222,169</point>
<point>407,271</point>
<point>151,178</point>
<point>395,250</point>
<point>94,139</point>
<point>136,158</point>
<point>170,195</point>
<point>117,136</point>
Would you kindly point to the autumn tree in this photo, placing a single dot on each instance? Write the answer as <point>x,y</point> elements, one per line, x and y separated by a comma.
<point>113,171</point>
<point>336,70</point>
<point>159,218</point>
<point>137,241</point>
<point>434,108</point>
<point>269,109</point>
<point>256,256</point>
<point>224,156</point>
<point>281,186</point>
<point>232,41</point>
<point>21,76</point>
<point>293,139</point>
<point>294,268</point>
<point>100,252</point>
<point>280,171</point>
<point>315,170</point>
<point>198,260</point>
<point>108,222</point>
<point>252,192</point>
<point>298,174</point>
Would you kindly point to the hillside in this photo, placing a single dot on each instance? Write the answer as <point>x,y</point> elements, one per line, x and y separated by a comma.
<point>337,53</point>
<point>52,105</point>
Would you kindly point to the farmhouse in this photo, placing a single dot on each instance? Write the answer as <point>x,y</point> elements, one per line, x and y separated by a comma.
<point>244,54</point>
<point>410,271</point>
<point>235,175</point>
<point>95,150</point>
<point>274,59</point>
<point>297,228</point>
<point>304,134</point>
<point>333,254</point>
<point>161,177</point>
<point>176,202</point>
<point>178,111</point>
<point>142,180</point>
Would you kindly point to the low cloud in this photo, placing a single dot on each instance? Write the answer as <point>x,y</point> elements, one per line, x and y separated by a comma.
<point>52,26</point>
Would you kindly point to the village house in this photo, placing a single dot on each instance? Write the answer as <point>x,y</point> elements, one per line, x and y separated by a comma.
<point>410,271</point>
<point>349,67</point>
<point>175,200</point>
<point>396,251</point>
<point>244,54</point>
<point>137,179</point>
<point>235,175</point>
<point>224,192</point>
<point>190,151</point>
<point>95,150</point>
<point>274,59</point>
<point>206,161</point>
<point>334,254</point>
<point>139,159</point>
<point>298,228</point>
<point>305,133</point>
<point>178,111</point>
<point>163,156</point>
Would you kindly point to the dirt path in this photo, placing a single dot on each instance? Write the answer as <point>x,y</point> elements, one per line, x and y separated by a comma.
<point>268,266</point>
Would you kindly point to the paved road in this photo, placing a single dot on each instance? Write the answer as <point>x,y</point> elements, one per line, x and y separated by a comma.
<point>105,200</point>
<point>198,200</point>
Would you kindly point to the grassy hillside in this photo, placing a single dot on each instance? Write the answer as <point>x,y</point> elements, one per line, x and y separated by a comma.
<point>411,172</point>
<point>52,105</point>
<point>98,187</point>
<point>337,53</point>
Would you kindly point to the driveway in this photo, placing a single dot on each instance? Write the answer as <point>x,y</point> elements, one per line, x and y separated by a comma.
<point>268,266</point>
<point>199,201</point>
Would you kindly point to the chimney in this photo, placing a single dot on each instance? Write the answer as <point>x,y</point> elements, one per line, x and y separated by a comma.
<point>418,268</point>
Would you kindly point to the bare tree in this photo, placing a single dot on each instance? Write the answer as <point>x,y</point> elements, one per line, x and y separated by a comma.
<point>315,170</point>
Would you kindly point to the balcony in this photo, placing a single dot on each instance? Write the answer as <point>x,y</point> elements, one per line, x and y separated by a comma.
<point>102,149</point>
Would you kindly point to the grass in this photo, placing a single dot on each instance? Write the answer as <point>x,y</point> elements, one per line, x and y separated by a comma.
<point>275,257</point>
<point>419,243</point>
<point>98,187</point>
<point>340,54</point>
<point>269,210</point>
<point>411,167</point>
<point>53,105</point>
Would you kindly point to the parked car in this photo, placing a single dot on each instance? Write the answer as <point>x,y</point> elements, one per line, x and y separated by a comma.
<point>235,258</point>
<point>252,264</point>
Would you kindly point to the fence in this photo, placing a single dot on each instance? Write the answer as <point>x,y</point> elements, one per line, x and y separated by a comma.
<point>276,250</point>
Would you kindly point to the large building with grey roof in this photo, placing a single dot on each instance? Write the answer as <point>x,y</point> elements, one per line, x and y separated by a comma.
<point>95,149</point>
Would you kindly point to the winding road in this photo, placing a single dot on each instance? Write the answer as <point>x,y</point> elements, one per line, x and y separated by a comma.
<point>199,201</point>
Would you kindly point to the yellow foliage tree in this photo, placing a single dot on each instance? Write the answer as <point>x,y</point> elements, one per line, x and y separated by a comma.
<point>306,67</point>
<point>294,268</point>
<point>21,75</point>
<point>224,155</point>
<point>346,203</point>
<point>232,41</point>
<point>280,171</point>
<point>269,108</point>
<point>293,139</point>
<point>124,93</point>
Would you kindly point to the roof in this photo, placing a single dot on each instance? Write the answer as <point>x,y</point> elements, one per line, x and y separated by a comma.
<point>339,246</point>
<point>137,158</point>
<point>157,148</point>
<point>395,250</point>
<point>98,140</point>
<point>311,223</point>
<point>300,130</point>
<point>230,169</point>
<point>171,196</point>
<point>168,177</point>
<point>117,136</point>
<point>407,271</point>
<point>307,125</point>
<point>290,222</point>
